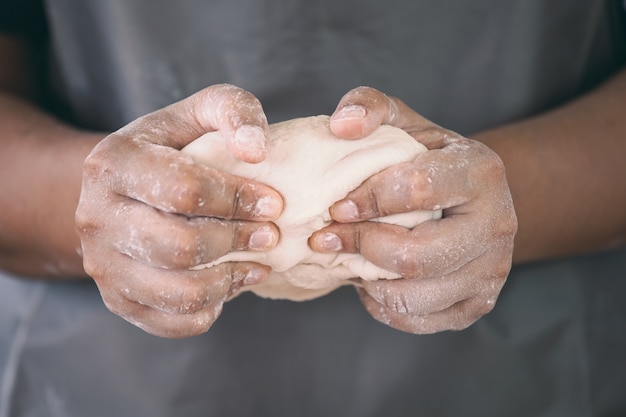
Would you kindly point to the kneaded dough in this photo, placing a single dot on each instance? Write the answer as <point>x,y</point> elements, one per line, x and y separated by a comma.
<point>312,169</point>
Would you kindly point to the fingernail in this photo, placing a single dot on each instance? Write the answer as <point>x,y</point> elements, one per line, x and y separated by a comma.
<point>345,210</point>
<point>268,207</point>
<point>254,276</point>
<point>262,239</point>
<point>329,242</point>
<point>349,112</point>
<point>251,139</point>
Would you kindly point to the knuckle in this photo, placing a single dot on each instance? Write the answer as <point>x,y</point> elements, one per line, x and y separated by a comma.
<point>96,163</point>
<point>490,167</point>
<point>116,305</point>
<point>364,96</point>
<point>461,325</point>
<point>398,304</point>
<point>472,310</point>
<point>408,264</point>
<point>483,306</point>
<point>174,328</point>
<point>187,194</point>
<point>91,267</point>
<point>82,219</point>
<point>198,326</point>
<point>506,229</point>
<point>408,188</point>
<point>241,233</point>
<point>421,191</point>
<point>222,277</point>
<point>235,275</point>
<point>85,222</point>
<point>98,263</point>
<point>373,205</point>
<point>229,96</point>
<point>243,204</point>
<point>187,299</point>
<point>397,301</point>
<point>423,324</point>
<point>363,90</point>
<point>500,273</point>
<point>505,223</point>
<point>112,306</point>
<point>464,317</point>
<point>223,87</point>
<point>101,161</point>
<point>202,321</point>
<point>495,165</point>
<point>509,226</point>
<point>185,248</point>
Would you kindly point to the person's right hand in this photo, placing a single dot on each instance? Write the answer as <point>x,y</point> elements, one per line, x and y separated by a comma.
<point>148,214</point>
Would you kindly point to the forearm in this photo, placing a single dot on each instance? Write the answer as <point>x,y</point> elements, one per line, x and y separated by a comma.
<point>41,167</point>
<point>567,174</point>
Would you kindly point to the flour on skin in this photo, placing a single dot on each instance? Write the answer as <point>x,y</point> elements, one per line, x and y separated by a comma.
<point>312,169</point>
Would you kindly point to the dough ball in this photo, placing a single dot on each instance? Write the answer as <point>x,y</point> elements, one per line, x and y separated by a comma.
<point>312,169</point>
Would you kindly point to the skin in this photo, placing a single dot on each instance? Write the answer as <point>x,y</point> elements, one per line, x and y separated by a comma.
<point>453,268</point>
<point>43,159</point>
<point>155,214</point>
<point>566,174</point>
<point>147,214</point>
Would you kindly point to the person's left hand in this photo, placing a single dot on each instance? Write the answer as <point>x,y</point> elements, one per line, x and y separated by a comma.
<point>452,269</point>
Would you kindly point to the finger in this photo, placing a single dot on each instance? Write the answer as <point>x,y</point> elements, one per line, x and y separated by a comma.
<point>229,109</point>
<point>435,180</point>
<point>177,242</point>
<point>399,189</point>
<point>363,109</point>
<point>482,277</point>
<point>418,296</point>
<point>423,252</point>
<point>174,303</point>
<point>188,291</point>
<point>166,325</point>
<point>171,181</point>
<point>432,249</point>
<point>457,317</point>
<point>239,116</point>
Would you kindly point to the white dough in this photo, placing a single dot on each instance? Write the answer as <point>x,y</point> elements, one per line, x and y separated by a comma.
<point>312,169</point>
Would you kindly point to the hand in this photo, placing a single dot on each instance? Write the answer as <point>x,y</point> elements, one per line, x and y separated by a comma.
<point>148,214</point>
<point>452,269</point>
